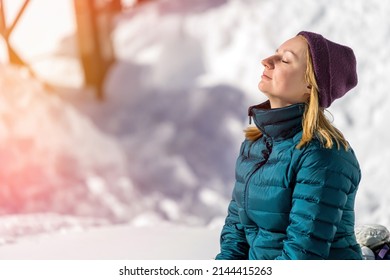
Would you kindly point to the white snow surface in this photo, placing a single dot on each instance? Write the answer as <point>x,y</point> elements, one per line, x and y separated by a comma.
<point>156,158</point>
<point>119,242</point>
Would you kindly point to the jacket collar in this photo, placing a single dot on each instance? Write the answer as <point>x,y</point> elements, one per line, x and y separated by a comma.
<point>279,123</point>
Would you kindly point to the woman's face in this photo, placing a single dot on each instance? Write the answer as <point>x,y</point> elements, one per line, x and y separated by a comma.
<point>283,79</point>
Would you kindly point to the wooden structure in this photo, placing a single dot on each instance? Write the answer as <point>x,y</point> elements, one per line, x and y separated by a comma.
<point>93,22</point>
<point>6,32</point>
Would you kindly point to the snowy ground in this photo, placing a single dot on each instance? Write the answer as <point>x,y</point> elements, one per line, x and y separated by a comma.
<point>120,242</point>
<point>161,148</point>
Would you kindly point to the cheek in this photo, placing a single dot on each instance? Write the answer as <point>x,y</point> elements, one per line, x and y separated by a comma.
<point>285,79</point>
<point>295,79</point>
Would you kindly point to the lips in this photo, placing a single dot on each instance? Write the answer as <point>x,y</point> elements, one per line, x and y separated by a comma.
<point>264,76</point>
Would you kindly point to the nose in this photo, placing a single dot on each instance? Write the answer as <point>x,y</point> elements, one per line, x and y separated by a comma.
<point>268,62</point>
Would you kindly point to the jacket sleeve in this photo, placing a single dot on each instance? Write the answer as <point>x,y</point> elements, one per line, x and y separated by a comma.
<point>233,241</point>
<point>323,182</point>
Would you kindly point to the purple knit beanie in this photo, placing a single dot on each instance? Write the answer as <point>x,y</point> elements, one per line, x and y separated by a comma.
<point>334,67</point>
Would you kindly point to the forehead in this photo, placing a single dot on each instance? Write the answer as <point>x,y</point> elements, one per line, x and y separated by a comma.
<point>297,45</point>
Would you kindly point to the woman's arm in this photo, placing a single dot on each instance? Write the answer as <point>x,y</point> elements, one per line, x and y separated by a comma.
<point>324,179</point>
<point>233,242</point>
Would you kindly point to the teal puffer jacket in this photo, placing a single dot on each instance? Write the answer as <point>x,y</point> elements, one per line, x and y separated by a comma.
<point>291,203</point>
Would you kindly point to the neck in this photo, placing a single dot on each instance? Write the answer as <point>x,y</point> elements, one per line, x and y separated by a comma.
<point>278,103</point>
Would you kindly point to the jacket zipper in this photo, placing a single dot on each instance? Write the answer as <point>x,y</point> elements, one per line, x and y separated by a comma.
<point>247,186</point>
<point>258,166</point>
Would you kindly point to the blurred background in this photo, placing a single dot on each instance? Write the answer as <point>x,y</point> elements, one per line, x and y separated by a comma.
<point>132,112</point>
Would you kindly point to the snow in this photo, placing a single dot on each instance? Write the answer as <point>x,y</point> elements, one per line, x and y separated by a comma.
<point>161,148</point>
<point>119,242</point>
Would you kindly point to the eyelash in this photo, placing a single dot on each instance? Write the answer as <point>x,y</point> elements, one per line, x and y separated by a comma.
<point>284,61</point>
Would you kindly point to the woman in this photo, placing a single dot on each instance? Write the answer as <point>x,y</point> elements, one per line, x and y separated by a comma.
<point>296,175</point>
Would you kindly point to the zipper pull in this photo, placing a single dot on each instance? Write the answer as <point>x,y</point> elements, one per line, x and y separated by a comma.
<point>250,114</point>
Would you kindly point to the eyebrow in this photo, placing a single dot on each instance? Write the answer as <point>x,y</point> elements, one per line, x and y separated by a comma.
<point>294,54</point>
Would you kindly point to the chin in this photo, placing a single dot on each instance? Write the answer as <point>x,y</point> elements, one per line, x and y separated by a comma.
<point>264,87</point>
<point>265,92</point>
<point>260,87</point>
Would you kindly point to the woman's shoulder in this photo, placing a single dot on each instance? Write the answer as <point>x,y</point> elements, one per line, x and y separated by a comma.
<point>336,158</point>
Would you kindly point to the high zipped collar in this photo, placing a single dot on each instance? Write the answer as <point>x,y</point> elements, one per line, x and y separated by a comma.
<point>279,123</point>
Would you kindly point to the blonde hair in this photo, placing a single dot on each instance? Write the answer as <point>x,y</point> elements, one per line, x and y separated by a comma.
<point>314,121</point>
